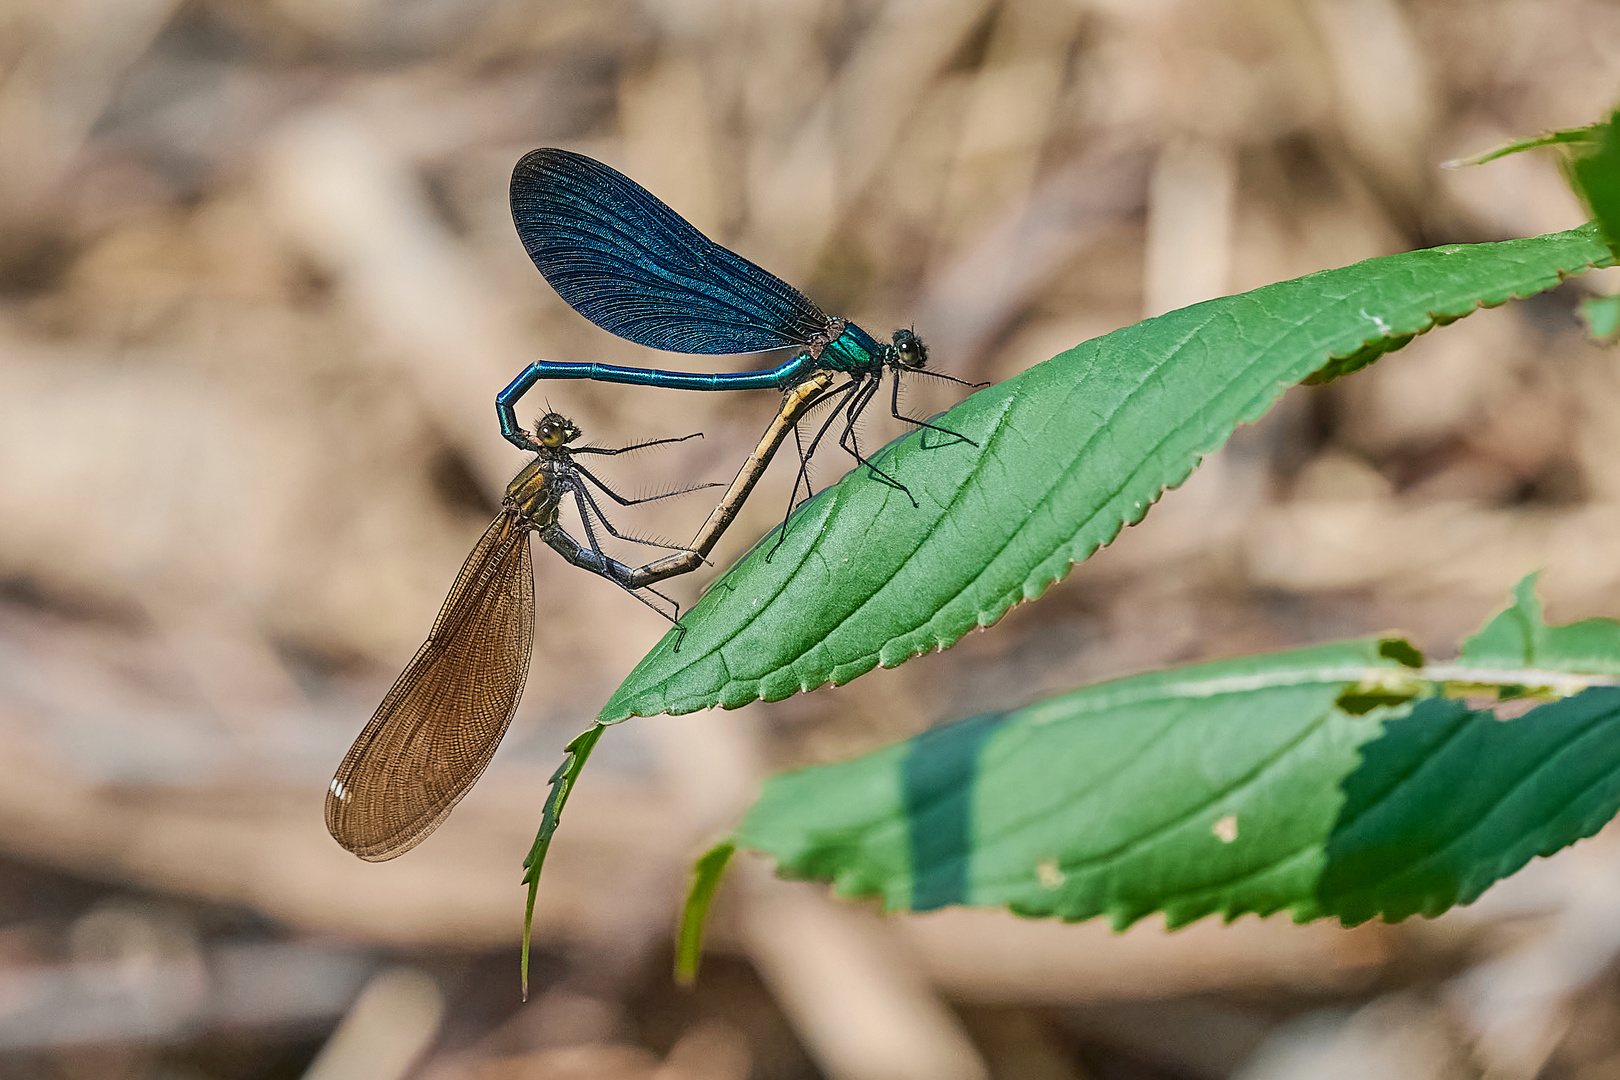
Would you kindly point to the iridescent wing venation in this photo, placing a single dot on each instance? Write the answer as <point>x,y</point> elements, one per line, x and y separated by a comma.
<point>626,261</point>
<point>435,732</point>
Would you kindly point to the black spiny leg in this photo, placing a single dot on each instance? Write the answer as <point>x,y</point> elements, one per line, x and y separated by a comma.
<point>622,501</point>
<point>805,455</point>
<point>894,408</point>
<point>587,505</point>
<point>633,446</point>
<point>847,440</point>
<point>597,561</point>
<point>947,378</point>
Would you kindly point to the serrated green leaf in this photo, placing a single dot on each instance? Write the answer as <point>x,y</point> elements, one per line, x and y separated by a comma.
<point>1061,458</point>
<point>1597,178</point>
<point>1224,788</point>
<point>575,755</point>
<point>1208,789</point>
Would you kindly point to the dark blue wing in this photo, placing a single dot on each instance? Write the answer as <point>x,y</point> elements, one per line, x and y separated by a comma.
<point>631,265</point>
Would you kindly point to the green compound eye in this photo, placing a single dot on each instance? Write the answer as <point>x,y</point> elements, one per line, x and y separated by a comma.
<point>910,352</point>
<point>555,430</point>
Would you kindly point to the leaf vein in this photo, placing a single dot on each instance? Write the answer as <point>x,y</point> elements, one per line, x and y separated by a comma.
<point>1131,845</point>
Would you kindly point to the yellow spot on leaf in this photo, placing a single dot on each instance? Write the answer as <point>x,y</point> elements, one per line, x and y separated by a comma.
<point>1225,829</point>
<point>1051,877</point>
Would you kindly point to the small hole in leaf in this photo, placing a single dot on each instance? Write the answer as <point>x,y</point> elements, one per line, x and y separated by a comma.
<point>1361,702</point>
<point>1401,651</point>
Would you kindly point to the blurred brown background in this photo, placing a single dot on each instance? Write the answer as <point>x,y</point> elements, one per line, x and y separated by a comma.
<point>259,285</point>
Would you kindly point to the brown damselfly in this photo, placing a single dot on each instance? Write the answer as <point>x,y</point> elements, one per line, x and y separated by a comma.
<point>438,727</point>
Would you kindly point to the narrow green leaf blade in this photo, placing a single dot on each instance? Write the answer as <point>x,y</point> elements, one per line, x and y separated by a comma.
<point>1060,458</point>
<point>1565,136</point>
<point>706,873</point>
<point>575,755</point>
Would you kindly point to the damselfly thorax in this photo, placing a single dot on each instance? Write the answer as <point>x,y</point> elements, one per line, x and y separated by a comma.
<point>534,494</point>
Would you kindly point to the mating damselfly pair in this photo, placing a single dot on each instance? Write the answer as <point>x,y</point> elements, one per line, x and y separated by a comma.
<point>636,268</point>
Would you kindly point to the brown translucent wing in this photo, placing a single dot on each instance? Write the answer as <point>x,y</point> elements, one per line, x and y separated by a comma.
<point>438,727</point>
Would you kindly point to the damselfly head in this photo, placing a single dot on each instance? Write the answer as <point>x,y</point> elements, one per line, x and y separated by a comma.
<point>554,431</point>
<point>910,350</point>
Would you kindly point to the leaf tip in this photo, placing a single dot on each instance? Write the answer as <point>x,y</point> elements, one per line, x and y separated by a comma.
<point>706,873</point>
<point>576,754</point>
